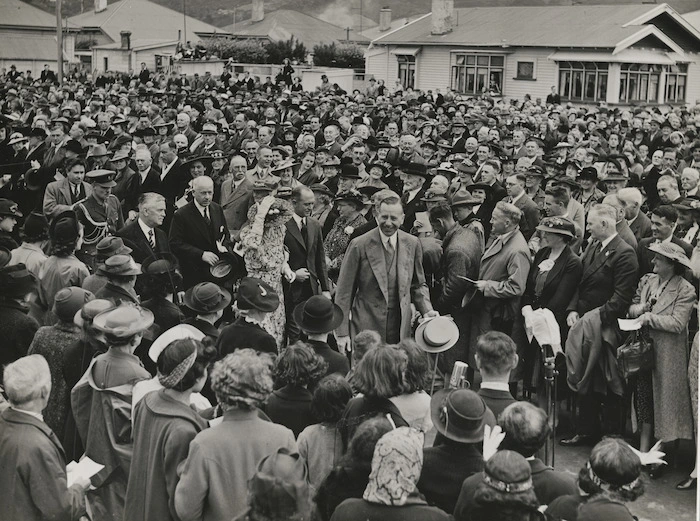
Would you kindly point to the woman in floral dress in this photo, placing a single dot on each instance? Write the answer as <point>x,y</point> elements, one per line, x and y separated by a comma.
<point>349,219</point>
<point>262,240</point>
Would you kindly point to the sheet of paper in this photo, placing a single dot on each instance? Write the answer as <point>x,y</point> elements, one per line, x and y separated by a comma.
<point>629,324</point>
<point>86,468</point>
<point>467,279</point>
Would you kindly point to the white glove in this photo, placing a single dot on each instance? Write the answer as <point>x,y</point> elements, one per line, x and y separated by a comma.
<point>652,457</point>
<point>492,440</point>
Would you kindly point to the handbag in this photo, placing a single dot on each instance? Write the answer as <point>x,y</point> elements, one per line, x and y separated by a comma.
<point>636,354</point>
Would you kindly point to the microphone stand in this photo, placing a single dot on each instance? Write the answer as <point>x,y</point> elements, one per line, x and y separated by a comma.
<point>550,380</point>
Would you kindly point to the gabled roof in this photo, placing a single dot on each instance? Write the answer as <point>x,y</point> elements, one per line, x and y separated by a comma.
<point>146,21</point>
<point>576,26</point>
<point>693,18</point>
<point>139,45</point>
<point>396,23</point>
<point>19,14</point>
<point>282,24</point>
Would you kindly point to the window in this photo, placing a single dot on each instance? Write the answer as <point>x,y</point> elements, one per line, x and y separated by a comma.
<point>106,63</point>
<point>583,81</point>
<point>639,82</point>
<point>525,71</point>
<point>676,79</point>
<point>477,73</point>
<point>407,70</point>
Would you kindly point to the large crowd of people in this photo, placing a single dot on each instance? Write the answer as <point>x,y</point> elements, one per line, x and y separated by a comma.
<point>250,301</point>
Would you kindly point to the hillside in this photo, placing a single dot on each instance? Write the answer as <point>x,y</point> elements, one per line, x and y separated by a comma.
<point>340,12</point>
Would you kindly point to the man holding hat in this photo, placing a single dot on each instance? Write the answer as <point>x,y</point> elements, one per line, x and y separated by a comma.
<point>17,328</point>
<point>255,299</point>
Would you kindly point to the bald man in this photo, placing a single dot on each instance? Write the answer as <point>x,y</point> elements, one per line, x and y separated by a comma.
<point>199,234</point>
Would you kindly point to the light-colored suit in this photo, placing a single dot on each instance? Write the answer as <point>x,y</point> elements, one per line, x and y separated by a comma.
<point>57,197</point>
<point>363,289</point>
<point>235,203</point>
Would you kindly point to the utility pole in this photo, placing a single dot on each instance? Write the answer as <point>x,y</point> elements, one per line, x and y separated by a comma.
<point>59,40</point>
<point>184,20</point>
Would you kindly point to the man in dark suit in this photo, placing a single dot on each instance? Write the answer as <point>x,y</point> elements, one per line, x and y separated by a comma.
<point>143,234</point>
<point>173,178</point>
<point>198,233</point>
<point>639,223</point>
<point>241,133</point>
<point>32,460</point>
<point>149,175</point>
<point>495,356</point>
<point>607,286</point>
<point>515,187</point>
<point>236,196</point>
<point>414,176</point>
<point>663,219</point>
<point>304,240</point>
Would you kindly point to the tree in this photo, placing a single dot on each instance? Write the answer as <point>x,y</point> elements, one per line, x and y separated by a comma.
<point>279,50</point>
<point>339,55</point>
<point>241,51</point>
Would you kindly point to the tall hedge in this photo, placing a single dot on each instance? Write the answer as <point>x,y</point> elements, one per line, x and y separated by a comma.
<point>339,55</point>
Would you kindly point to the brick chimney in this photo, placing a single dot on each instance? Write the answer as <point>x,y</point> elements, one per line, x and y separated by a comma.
<point>100,5</point>
<point>126,39</point>
<point>385,19</point>
<point>442,16</point>
<point>257,14</point>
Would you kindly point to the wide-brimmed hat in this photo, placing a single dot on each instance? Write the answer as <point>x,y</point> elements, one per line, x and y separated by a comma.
<point>318,315</point>
<point>256,294</point>
<point>687,204</point>
<point>120,155</point>
<point>464,197</point>
<point>68,301</point>
<point>17,137</point>
<point>535,170</point>
<point>558,225</point>
<point>229,266</point>
<point>566,180</point>
<point>161,264</point>
<point>91,309</point>
<point>98,150</point>
<point>588,173</point>
<point>179,332</point>
<point>433,197</point>
<point>9,208</point>
<point>65,227</point>
<point>460,415</point>
<point>615,176</point>
<point>322,189</point>
<point>101,177</point>
<point>209,128</point>
<point>124,320</point>
<point>205,160</point>
<point>414,169</point>
<point>437,335</point>
<point>207,297</point>
<point>112,245</point>
<point>384,169</point>
<point>122,265</point>
<point>283,165</point>
<point>16,281</point>
<point>74,146</point>
<point>349,171</point>
<point>479,186</point>
<point>671,251</point>
<point>353,197</point>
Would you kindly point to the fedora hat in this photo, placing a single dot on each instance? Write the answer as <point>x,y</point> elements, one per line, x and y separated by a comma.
<point>179,332</point>
<point>351,196</point>
<point>437,334</point>
<point>464,198</point>
<point>414,169</point>
<point>16,281</point>
<point>122,265</point>
<point>318,315</point>
<point>349,171</point>
<point>322,189</point>
<point>112,245</point>
<point>98,150</point>
<point>460,415</point>
<point>207,297</point>
<point>558,225</point>
<point>120,155</point>
<point>91,309</point>
<point>283,165</point>
<point>256,294</point>
<point>68,301</point>
<point>161,264</point>
<point>9,208</point>
<point>229,266</point>
<point>671,251</point>
<point>205,160</point>
<point>124,320</point>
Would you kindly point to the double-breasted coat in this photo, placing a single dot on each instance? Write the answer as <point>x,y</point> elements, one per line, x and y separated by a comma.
<point>236,201</point>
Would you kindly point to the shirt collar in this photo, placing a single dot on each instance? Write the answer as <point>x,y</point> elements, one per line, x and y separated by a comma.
<point>144,227</point>
<point>298,219</point>
<point>36,415</point>
<point>607,241</point>
<point>518,197</point>
<point>495,386</point>
<point>388,240</point>
<point>630,221</point>
<point>199,206</point>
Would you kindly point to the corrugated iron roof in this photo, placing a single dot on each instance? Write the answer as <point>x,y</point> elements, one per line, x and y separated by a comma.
<point>552,26</point>
<point>283,23</point>
<point>146,21</point>
<point>28,47</point>
<point>17,13</point>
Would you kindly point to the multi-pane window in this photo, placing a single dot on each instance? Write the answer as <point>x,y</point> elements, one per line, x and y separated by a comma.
<point>676,79</point>
<point>407,70</point>
<point>477,73</point>
<point>639,82</point>
<point>583,81</point>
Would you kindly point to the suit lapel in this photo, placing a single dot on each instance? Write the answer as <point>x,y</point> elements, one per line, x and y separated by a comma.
<point>597,263</point>
<point>496,246</point>
<point>404,253</point>
<point>375,255</point>
<point>295,232</point>
<point>65,189</point>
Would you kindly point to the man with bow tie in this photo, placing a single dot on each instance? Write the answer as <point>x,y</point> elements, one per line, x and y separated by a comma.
<point>605,293</point>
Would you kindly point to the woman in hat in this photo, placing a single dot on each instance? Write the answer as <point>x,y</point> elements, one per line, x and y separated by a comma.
<point>51,342</point>
<point>610,478</point>
<point>164,426</point>
<point>392,492</point>
<point>242,382</point>
<point>376,172</point>
<point>506,492</point>
<point>459,416</point>
<point>663,304</point>
<point>254,300</point>
<point>9,213</point>
<point>323,206</point>
<point>121,272</point>
<point>297,371</point>
<point>285,171</point>
<point>553,279</point>
<point>379,376</point>
<point>101,403</point>
<point>262,240</point>
<point>208,301</point>
<point>162,281</point>
<point>348,205</point>
<point>62,269</point>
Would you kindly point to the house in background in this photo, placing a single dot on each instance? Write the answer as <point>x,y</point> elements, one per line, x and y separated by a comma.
<point>121,35</point>
<point>619,54</point>
<point>28,38</point>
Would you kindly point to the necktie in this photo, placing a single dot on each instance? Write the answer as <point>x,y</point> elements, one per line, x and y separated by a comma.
<point>151,239</point>
<point>206,215</point>
<point>390,248</point>
<point>304,231</point>
<point>76,194</point>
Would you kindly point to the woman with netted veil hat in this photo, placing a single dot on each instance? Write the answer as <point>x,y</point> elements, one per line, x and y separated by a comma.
<point>213,484</point>
<point>262,240</point>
